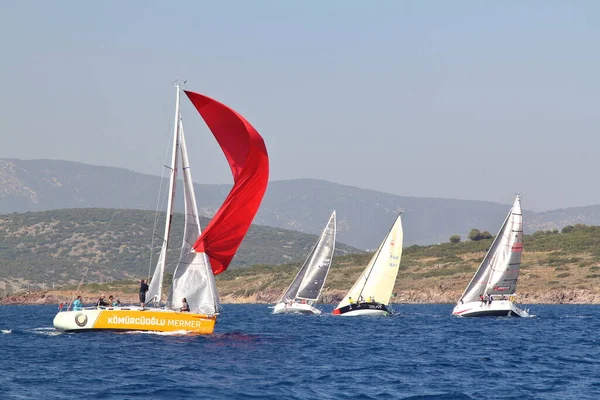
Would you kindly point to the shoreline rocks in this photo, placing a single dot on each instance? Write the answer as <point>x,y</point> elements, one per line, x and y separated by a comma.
<point>432,296</point>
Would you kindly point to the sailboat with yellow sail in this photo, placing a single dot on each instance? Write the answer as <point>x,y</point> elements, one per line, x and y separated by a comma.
<point>203,254</point>
<point>372,292</point>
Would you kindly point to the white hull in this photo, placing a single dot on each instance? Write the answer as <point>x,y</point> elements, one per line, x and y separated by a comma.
<point>498,308</point>
<point>295,308</point>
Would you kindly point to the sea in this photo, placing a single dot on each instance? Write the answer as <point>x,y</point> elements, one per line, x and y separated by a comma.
<point>421,352</point>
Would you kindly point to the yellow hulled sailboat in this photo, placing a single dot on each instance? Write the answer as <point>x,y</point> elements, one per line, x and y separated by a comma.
<point>203,254</point>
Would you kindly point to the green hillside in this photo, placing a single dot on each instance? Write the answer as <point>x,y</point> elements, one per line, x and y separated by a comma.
<point>57,246</point>
<point>556,267</point>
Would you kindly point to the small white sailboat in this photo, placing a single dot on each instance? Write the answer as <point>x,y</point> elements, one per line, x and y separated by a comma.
<point>305,289</point>
<point>494,284</point>
<point>203,254</point>
<point>372,292</point>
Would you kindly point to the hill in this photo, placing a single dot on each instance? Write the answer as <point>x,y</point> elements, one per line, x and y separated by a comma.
<point>556,268</point>
<point>301,204</point>
<point>57,246</point>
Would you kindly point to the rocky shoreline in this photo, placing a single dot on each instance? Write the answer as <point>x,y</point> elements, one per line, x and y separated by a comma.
<point>575,296</point>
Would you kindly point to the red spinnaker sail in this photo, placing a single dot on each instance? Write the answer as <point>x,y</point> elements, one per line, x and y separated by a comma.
<point>247,156</point>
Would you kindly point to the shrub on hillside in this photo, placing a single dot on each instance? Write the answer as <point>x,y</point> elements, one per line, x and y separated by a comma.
<point>475,235</point>
<point>567,229</point>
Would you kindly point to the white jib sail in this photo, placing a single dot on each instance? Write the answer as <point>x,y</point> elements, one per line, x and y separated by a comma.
<point>193,278</point>
<point>311,277</point>
<point>500,267</point>
<point>155,288</point>
<point>505,269</point>
<point>376,282</point>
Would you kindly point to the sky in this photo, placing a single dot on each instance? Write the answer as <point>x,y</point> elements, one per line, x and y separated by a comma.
<point>458,99</point>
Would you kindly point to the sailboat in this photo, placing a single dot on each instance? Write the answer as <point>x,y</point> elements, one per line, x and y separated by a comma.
<point>203,254</point>
<point>372,292</point>
<point>493,286</point>
<point>306,288</point>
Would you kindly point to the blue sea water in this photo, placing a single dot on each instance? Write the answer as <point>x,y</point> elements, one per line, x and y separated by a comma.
<point>420,353</point>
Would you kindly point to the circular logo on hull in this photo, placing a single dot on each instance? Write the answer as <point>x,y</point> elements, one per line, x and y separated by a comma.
<point>81,319</point>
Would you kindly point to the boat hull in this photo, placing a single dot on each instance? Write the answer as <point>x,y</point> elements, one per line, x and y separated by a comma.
<point>353,310</point>
<point>295,308</point>
<point>134,319</point>
<point>498,308</point>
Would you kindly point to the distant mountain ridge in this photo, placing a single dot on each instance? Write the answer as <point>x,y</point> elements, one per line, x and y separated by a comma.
<point>300,204</point>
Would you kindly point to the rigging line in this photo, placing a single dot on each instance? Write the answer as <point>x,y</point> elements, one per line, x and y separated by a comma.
<point>87,269</point>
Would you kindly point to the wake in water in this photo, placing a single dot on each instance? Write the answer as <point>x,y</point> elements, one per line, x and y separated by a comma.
<point>172,333</point>
<point>46,331</point>
<point>5,331</point>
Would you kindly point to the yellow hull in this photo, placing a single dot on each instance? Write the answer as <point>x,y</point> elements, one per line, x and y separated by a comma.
<point>119,319</point>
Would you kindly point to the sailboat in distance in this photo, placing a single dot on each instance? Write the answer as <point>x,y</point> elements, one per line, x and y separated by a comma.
<point>372,292</point>
<point>494,284</point>
<point>203,254</point>
<point>306,288</point>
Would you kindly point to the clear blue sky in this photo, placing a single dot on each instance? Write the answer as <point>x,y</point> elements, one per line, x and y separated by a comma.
<point>460,99</point>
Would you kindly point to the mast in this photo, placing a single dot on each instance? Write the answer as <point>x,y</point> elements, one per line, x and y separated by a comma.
<point>155,289</point>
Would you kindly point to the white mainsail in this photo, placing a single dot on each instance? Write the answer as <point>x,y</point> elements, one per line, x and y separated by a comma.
<point>377,281</point>
<point>310,279</point>
<point>193,278</point>
<point>155,288</point>
<point>498,272</point>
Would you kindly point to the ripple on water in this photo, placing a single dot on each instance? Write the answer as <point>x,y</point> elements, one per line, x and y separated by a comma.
<point>421,353</point>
